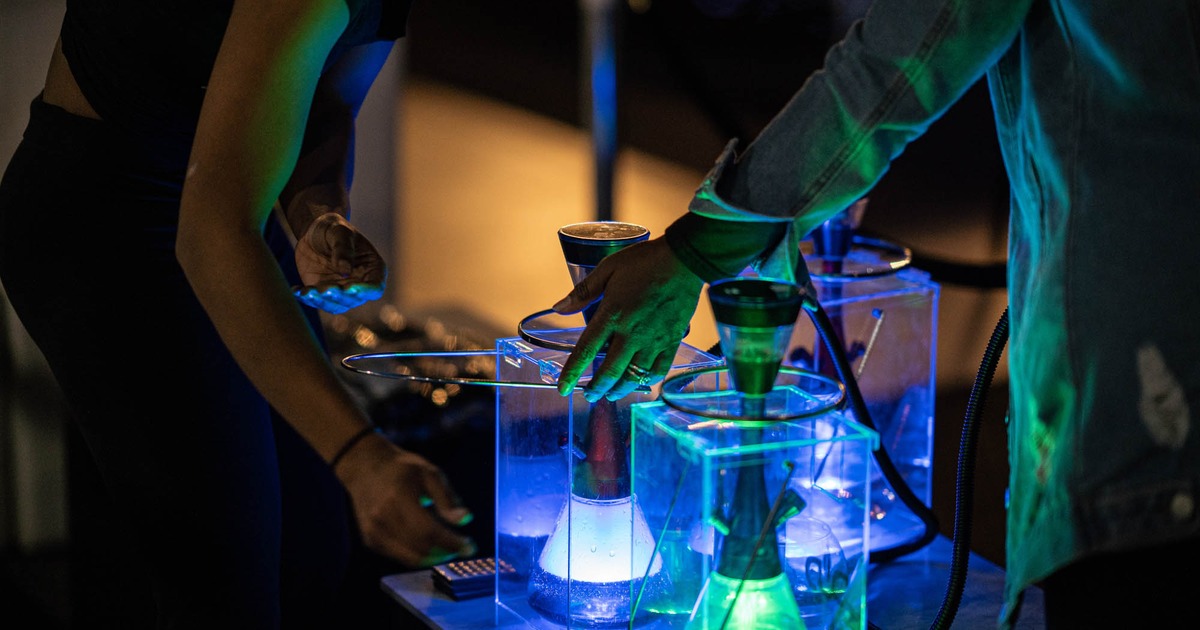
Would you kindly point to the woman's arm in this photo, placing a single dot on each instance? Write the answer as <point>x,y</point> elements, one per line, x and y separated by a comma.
<point>339,268</point>
<point>325,168</point>
<point>246,147</point>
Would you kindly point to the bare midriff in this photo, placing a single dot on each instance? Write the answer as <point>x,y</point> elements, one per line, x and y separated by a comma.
<point>61,89</point>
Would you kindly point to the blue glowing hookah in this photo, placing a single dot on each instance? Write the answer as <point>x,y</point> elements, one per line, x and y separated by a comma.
<point>601,506</point>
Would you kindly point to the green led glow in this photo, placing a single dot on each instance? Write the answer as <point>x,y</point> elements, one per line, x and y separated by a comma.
<point>765,604</point>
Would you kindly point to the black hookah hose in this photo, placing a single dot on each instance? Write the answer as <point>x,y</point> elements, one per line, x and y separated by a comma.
<point>964,490</point>
<point>828,334</point>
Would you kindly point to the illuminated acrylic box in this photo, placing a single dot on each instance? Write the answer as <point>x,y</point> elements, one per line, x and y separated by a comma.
<point>886,315</point>
<point>749,518</point>
<point>566,519</point>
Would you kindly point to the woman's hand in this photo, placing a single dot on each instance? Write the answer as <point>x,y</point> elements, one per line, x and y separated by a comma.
<point>404,505</point>
<point>339,267</point>
<point>649,298</point>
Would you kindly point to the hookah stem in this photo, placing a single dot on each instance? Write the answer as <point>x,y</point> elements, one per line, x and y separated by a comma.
<point>603,473</point>
<point>754,435</point>
<point>658,541</point>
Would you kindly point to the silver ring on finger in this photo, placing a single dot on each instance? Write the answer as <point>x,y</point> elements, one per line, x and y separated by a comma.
<point>638,374</point>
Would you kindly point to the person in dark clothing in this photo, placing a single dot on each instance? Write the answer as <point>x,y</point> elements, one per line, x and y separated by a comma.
<point>140,211</point>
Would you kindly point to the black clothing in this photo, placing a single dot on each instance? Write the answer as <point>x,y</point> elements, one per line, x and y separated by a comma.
<point>1143,588</point>
<point>233,518</point>
<point>221,497</point>
<point>143,65</point>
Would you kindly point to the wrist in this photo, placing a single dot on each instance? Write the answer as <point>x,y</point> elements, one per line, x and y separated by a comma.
<point>303,207</point>
<point>713,249</point>
<point>350,444</point>
<point>362,457</point>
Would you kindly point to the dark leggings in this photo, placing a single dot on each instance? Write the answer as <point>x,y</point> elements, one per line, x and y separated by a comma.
<point>1154,587</point>
<point>235,520</point>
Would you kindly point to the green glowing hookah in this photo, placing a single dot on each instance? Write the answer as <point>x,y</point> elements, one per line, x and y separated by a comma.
<point>747,587</point>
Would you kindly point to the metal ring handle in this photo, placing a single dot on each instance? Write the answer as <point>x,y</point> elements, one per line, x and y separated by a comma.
<point>359,363</point>
<point>724,403</point>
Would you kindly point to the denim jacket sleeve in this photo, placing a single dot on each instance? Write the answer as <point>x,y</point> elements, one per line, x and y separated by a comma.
<point>898,70</point>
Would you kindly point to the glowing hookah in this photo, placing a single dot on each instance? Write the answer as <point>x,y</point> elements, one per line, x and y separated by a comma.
<point>831,244</point>
<point>717,552</point>
<point>601,549</point>
<point>748,587</point>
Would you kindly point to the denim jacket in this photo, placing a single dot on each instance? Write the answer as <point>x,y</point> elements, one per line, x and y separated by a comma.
<point>1097,105</point>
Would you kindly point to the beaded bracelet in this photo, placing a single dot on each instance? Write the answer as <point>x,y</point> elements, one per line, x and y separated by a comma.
<point>354,439</point>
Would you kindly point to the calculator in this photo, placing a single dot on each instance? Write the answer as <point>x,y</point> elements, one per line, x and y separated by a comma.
<point>464,579</point>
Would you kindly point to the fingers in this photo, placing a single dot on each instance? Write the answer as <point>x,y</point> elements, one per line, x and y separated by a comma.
<point>587,291</point>
<point>445,500</point>
<point>618,377</point>
<point>662,365</point>
<point>340,241</point>
<point>594,336</point>
<point>634,374</point>
<point>332,300</point>
<point>404,506</point>
<point>587,347</point>
<point>339,268</point>
<point>648,298</point>
<point>413,518</point>
<point>434,541</point>
<point>336,298</point>
<point>422,541</point>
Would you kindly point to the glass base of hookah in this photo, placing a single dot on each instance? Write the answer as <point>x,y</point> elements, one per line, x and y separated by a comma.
<point>598,566</point>
<point>733,604</point>
<point>594,604</point>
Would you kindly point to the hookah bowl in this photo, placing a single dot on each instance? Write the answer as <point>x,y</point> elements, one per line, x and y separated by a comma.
<point>584,245</point>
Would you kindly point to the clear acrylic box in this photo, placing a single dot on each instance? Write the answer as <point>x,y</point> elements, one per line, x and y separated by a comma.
<point>716,493</point>
<point>886,314</point>
<point>566,519</point>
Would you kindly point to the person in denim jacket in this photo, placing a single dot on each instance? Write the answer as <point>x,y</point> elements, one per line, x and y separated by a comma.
<point>1097,104</point>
